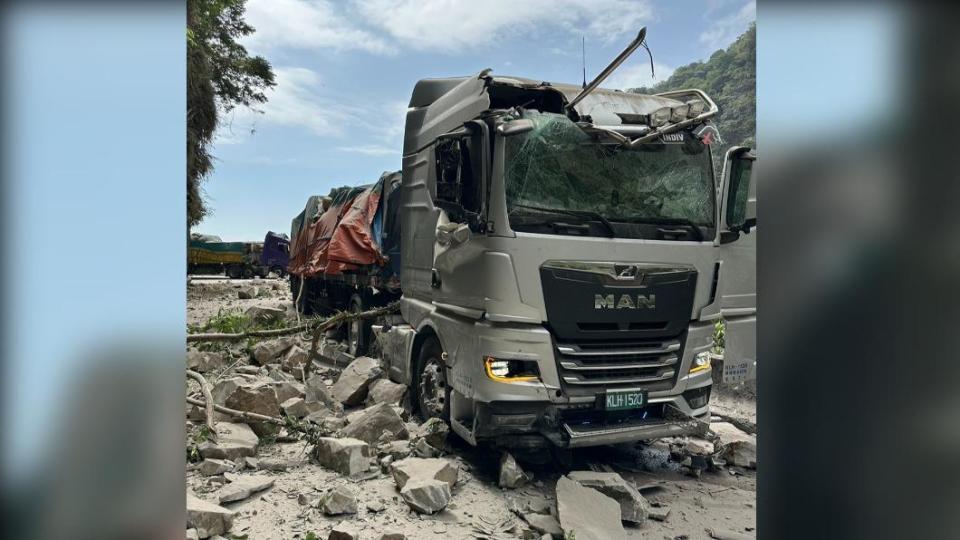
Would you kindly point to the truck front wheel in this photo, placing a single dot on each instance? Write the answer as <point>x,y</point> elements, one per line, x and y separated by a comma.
<point>431,392</point>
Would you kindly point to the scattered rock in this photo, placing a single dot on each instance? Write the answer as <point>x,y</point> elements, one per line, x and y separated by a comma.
<point>337,501</point>
<point>374,422</point>
<point>264,314</point>
<point>260,398</point>
<point>633,507</point>
<point>205,361</point>
<point>213,467</point>
<point>317,391</point>
<point>351,388</point>
<point>298,407</point>
<point>288,389</point>
<point>544,524</point>
<point>273,465</point>
<point>422,448</point>
<point>234,441</point>
<point>698,447</point>
<point>295,360</point>
<point>376,506</point>
<point>242,487</point>
<point>409,469</point>
<point>248,293</point>
<point>266,352</point>
<point>426,496</point>
<point>395,449</point>
<point>346,456</point>
<point>386,391</point>
<point>435,432</point>
<point>207,518</point>
<point>587,514</point>
<point>721,534</point>
<point>193,534</point>
<point>344,532</point>
<point>659,514</point>
<point>737,447</point>
<point>393,536</point>
<point>511,475</point>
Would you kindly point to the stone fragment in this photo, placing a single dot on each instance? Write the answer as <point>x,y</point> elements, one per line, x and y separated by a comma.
<point>207,518</point>
<point>234,441</point>
<point>192,534</point>
<point>260,398</point>
<point>633,506</point>
<point>297,407</point>
<point>264,314</point>
<point>737,447</point>
<point>698,447</point>
<point>316,390</point>
<point>205,361</point>
<point>346,456</point>
<point>435,432</point>
<point>343,531</point>
<point>248,293</point>
<point>392,536</point>
<point>337,501</point>
<point>213,467</point>
<point>351,388</point>
<point>409,469</point>
<point>288,389</point>
<point>295,359</point>
<point>422,449</point>
<point>511,475</point>
<point>243,487</point>
<point>266,352</point>
<point>426,496</point>
<point>587,514</point>
<point>376,506</point>
<point>386,391</point>
<point>395,449</point>
<point>374,422</point>
<point>544,524</point>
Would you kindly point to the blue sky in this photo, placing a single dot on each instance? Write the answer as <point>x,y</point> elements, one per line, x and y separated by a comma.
<point>345,71</point>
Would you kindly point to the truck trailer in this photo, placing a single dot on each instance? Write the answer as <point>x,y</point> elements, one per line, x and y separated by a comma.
<point>209,254</point>
<point>560,255</point>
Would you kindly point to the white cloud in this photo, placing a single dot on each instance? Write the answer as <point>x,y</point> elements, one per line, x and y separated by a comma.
<point>725,30</point>
<point>371,150</point>
<point>637,74</point>
<point>299,100</point>
<point>446,26</point>
<point>308,24</point>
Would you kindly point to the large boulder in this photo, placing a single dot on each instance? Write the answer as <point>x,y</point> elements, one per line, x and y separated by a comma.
<point>426,496</point>
<point>587,514</point>
<point>266,352</point>
<point>351,388</point>
<point>242,487</point>
<point>346,456</point>
<point>737,447</point>
<point>337,501</point>
<point>633,507</point>
<point>316,390</point>
<point>234,441</point>
<point>386,391</point>
<point>376,422</point>
<point>409,469</point>
<point>214,467</point>
<point>297,407</point>
<point>511,475</point>
<point>205,361</point>
<point>260,398</point>
<point>207,518</point>
<point>544,524</point>
<point>288,389</point>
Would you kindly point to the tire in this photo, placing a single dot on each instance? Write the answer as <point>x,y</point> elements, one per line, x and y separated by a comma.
<point>234,271</point>
<point>247,273</point>
<point>279,271</point>
<point>358,332</point>
<point>431,393</point>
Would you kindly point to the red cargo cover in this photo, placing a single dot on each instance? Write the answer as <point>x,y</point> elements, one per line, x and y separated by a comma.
<point>352,245</point>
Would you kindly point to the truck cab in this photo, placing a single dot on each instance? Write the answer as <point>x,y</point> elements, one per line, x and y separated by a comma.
<point>562,267</point>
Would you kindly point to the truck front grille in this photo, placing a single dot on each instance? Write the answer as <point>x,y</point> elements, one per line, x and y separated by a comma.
<point>588,367</point>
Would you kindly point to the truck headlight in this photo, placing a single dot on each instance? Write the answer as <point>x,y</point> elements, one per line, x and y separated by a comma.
<point>511,370</point>
<point>701,362</point>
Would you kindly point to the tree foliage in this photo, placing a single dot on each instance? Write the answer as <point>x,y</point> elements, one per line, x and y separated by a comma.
<point>729,77</point>
<point>221,75</point>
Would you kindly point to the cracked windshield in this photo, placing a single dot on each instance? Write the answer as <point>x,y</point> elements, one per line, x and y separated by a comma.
<point>557,173</point>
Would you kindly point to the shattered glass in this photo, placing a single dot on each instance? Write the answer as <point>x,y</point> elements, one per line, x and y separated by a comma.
<point>559,166</point>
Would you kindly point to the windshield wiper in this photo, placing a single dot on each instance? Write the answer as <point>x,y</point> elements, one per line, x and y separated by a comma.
<point>698,233</point>
<point>577,213</point>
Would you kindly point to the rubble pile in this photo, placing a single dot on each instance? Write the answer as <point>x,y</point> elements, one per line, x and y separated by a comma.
<point>372,470</point>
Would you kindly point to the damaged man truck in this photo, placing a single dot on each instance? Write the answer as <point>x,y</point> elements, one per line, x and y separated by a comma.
<point>560,255</point>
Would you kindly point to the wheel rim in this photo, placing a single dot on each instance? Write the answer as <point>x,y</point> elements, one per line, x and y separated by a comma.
<point>433,389</point>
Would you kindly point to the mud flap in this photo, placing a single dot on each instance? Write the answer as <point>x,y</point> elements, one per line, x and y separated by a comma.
<point>674,423</point>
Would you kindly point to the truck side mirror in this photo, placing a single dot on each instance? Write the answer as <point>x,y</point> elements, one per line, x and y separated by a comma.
<point>737,201</point>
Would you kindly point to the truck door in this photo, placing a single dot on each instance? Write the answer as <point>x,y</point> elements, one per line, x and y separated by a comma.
<point>737,281</point>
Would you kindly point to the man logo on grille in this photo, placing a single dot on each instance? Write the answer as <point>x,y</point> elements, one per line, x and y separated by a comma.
<point>626,301</point>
